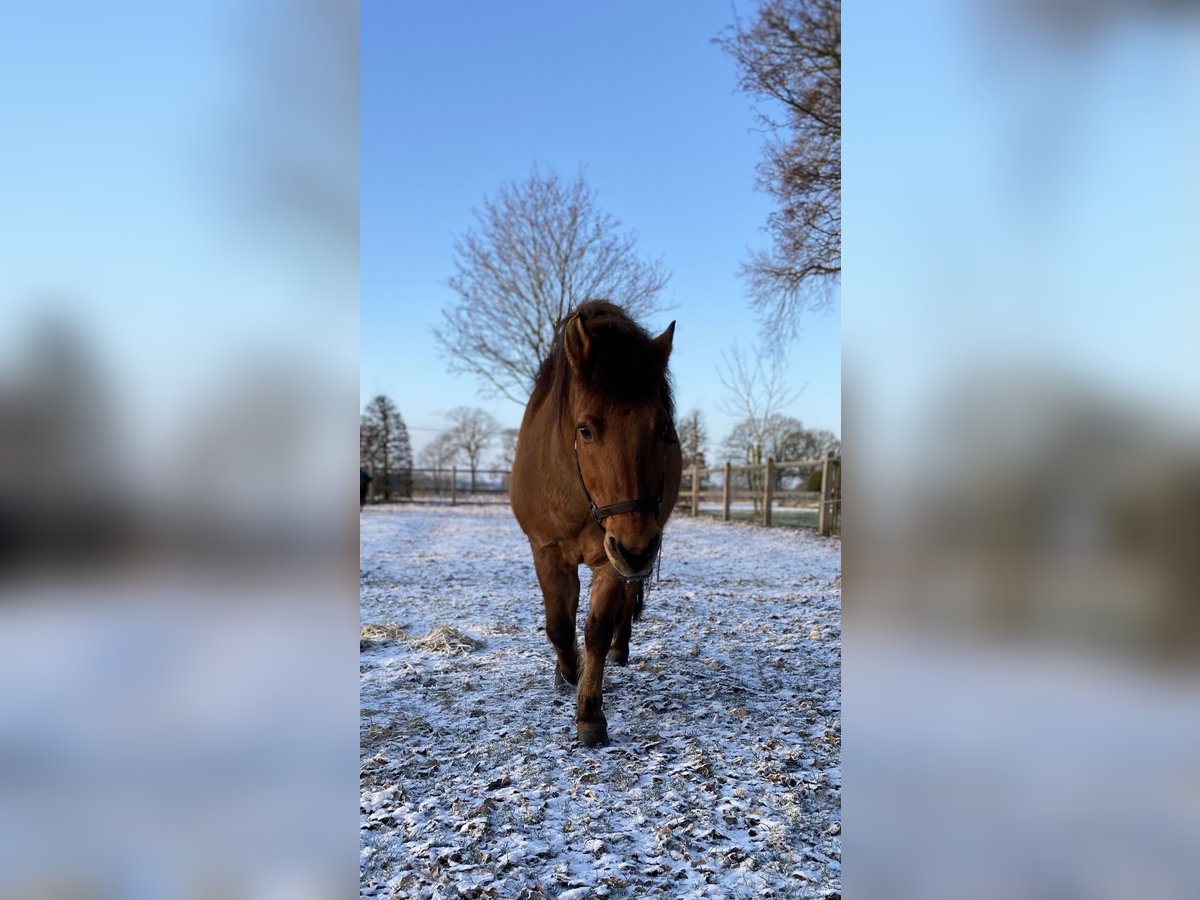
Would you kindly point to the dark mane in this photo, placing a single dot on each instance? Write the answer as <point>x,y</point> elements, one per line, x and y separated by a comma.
<point>623,365</point>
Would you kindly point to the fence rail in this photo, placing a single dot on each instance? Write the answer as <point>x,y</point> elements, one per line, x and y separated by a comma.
<point>774,493</point>
<point>451,485</point>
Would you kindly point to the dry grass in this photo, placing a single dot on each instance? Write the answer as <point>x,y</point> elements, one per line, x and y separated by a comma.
<point>370,636</point>
<point>447,639</point>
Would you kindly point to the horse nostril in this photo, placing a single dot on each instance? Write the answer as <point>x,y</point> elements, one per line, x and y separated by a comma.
<point>616,548</point>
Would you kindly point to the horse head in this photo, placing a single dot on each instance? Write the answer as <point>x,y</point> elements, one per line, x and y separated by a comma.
<point>619,413</point>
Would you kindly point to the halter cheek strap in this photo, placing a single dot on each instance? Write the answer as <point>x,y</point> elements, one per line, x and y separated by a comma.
<point>600,513</point>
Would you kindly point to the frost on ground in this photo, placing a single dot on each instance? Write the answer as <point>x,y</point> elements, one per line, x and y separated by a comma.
<point>723,775</point>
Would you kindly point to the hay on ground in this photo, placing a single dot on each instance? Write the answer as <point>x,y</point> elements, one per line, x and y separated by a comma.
<point>373,635</point>
<point>447,639</point>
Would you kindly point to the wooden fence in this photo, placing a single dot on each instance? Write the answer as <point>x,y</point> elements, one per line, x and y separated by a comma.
<point>452,485</point>
<point>773,493</point>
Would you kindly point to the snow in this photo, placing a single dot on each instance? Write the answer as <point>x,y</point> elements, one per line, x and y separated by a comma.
<point>723,777</point>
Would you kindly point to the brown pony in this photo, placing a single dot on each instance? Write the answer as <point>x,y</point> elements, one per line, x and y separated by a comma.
<point>595,477</point>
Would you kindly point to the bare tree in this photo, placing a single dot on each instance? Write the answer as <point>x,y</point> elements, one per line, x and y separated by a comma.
<point>473,431</point>
<point>693,437</point>
<point>818,442</point>
<point>779,437</point>
<point>508,447</point>
<point>790,58</point>
<point>438,454</point>
<point>384,448</point>
<point>756,391</point>
<point>537,249</point>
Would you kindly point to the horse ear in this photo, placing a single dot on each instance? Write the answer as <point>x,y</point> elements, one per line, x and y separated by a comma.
<point>577,343</point>
<point>664,341</point>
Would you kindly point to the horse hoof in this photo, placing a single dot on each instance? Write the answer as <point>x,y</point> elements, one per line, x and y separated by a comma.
<point>563,686</point>
<point>592,734</point>
<point>617,658</point>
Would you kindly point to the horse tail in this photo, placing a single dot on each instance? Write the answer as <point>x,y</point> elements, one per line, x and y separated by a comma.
<point>641,601</point>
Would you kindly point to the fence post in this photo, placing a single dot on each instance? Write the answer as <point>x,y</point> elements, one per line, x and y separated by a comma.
<point>695,490</point>
<point>453,485</point>
<point>769,491</point>
<point>725,492</point>
<point>753,472</point>
<point>825,515</point>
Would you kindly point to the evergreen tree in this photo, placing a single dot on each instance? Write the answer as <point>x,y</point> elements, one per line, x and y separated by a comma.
<point>385,450</point>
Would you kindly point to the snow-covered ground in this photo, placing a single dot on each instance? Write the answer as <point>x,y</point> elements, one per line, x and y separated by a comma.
<point>722,779</point>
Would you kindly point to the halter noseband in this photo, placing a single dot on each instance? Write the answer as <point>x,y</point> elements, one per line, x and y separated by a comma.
<point>600,513</point>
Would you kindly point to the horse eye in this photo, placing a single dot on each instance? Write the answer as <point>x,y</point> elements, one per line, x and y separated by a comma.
<point>585,432</point>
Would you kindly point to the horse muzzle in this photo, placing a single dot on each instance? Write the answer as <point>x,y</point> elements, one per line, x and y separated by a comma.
<point>629,563</point>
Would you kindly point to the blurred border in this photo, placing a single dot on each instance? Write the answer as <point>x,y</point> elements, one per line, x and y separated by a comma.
<point>178,410</point>
<point>1021,623</point>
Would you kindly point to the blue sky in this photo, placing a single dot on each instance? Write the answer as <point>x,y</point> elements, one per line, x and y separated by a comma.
<point>458,99</point>
<point>134,131</point>
<point>1018,204</point>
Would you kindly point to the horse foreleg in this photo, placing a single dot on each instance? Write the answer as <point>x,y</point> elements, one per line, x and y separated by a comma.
<point>631,604</point>
<point>608,594</point>
<point>559,581</point>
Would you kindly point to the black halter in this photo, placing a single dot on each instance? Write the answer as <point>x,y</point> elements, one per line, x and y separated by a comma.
<point>600,513</point>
